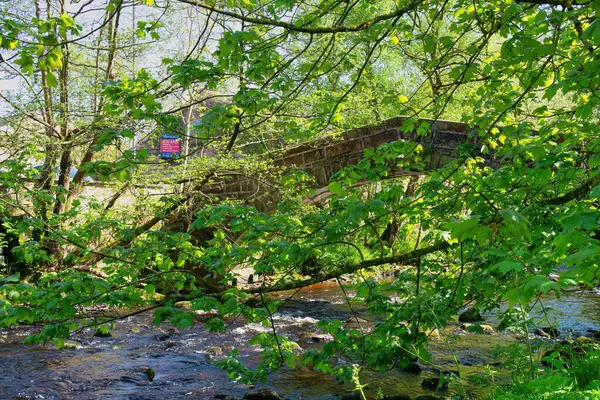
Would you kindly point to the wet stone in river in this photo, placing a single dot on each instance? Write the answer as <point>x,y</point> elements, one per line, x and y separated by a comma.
<point>262,394</point>
<point>102,334</point>
<point>434,384</point>
<point>470,315</point>
<point>225,397</point>
<point>412,368</point>
<point>357,323</point>
<point>547,332</point>
<point>214,350</point>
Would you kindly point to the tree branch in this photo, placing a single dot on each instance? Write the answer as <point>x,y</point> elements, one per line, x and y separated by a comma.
<point>303,29</point>
<point>348,269</point>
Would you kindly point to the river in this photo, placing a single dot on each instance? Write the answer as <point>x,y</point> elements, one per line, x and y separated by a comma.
<point>183,360</point>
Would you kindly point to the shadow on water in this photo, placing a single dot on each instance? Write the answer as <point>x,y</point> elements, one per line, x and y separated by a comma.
<point>116,367</point>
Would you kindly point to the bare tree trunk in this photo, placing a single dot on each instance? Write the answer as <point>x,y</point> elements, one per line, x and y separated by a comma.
<point>78,179</point>
<point>47,175</point>
<point>64,175</point>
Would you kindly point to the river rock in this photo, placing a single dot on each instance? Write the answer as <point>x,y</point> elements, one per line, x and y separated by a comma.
<point>262,394</point>
<point>547,331</point>
<point>184,304</point>
<point>487,329</point>
<point>471,314</point>
<point>139,375</point>
<point>150,374</point>
<point>433,334</point>
<point>445,372</point>
<point>597,335</point>
<point>315,337</point>
<point>434,384</point>
<point>352,396</point>
<point>100,333</point>
<point>357,323</point>
<point>213,350</point>
<point>397,397</point>
<point>585,340</point>
<point>412,368</point>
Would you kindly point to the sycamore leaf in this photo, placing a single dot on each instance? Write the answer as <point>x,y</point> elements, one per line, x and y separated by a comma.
<point>51,79</point>
<point>515,224</point>
<point>581,255</point>
<point>508,265</point>
<point>463,229</point>
<point>337,189</point>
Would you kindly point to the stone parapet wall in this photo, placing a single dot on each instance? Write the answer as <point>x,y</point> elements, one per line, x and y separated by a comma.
<point>324,157</point>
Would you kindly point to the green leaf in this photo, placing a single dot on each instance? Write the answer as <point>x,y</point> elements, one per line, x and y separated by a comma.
<point>13,295</point>
<point>582,255</point>
<point>337,189</point>
<point>507,265</point>
<point>429,44</point>
<point>464,229</point>
<point>12,278</point>
<point>150,289</point>
<point>515,224</point>
<point>595,192</point>
<point>51,79</point>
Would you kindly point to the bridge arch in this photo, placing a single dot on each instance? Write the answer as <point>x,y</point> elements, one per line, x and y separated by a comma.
<point>323,158</point>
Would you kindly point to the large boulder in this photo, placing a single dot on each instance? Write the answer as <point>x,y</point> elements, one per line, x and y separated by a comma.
<point>412,368</point>
<point>471,314</point>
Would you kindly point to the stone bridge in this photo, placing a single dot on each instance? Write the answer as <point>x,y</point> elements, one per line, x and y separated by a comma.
<point>323,158</point>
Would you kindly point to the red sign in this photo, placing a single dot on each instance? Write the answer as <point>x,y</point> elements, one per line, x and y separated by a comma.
<point>170,146</point>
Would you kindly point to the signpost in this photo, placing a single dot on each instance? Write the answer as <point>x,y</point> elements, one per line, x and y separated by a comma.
<point>170,146</point>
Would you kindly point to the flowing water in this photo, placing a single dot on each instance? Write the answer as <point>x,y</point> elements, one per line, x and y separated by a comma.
<point>183,360</point>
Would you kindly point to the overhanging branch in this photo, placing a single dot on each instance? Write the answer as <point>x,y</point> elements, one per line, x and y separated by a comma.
<point>351,268</point>
<point>304,29</point>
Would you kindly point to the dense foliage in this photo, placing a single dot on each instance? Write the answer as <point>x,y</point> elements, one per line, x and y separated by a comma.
<point>518,201</point>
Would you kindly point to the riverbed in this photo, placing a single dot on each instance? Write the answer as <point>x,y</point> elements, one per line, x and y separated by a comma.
<point>116,367</point>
